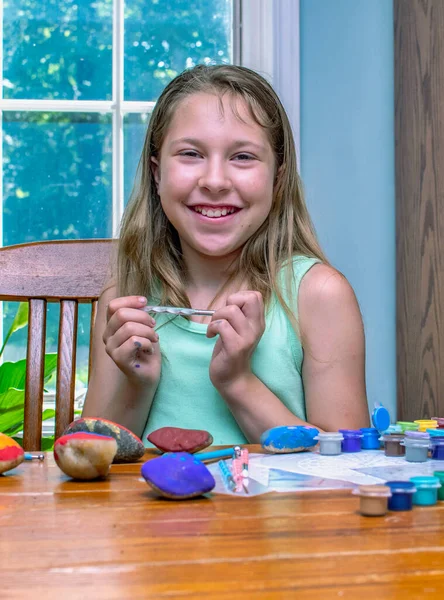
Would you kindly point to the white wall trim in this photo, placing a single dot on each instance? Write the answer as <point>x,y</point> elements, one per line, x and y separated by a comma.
<point>286,63</point>
<point>257,36</point>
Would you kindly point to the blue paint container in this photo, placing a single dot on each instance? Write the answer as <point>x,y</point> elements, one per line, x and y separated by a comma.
<point>426,490</point>
<point>351,441</point>
<point>402,495</point>
<point>438,448</point>
<point>370,438</point>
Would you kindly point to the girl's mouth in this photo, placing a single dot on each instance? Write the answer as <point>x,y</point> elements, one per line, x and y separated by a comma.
<point>214,212</point>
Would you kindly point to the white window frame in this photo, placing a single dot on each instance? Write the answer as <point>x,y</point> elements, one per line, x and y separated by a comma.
<point>265,38</point>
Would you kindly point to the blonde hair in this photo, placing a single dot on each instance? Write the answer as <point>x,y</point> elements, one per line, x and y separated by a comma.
<point>149,255</point>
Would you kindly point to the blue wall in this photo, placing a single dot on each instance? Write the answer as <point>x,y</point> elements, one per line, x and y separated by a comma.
<point>347,161</point>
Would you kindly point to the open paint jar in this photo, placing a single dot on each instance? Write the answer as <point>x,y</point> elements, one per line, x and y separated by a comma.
<point>373,499</point>
<point>424,424</point>
<point>392,444</point>
<point>437,447</point>
<point>440,476</point>
<point>370,438</point>
<point>329,443</point>
<point>440,422</point>
<point>416,445</point>
<point>351,441</point>
<point>407,426</point>
<point>402,495</point>
<point>426,490</point>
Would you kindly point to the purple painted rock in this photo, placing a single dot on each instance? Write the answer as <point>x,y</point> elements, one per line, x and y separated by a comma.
<point>11,453</point>
<point>129,447</point>
<point>178,476</point>
<point>175,439</point>
<point>85,455</point>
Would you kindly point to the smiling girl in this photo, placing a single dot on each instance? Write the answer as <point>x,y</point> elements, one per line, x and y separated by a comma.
<point>217,220</point>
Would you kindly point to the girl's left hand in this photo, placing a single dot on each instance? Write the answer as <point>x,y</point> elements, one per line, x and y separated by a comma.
<point>240,326</point>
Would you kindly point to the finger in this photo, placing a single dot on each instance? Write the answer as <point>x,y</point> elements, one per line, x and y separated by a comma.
<point>230,339</point>
<point>128,331</point>
<point>125,315</point>
<point>134,352</point>
<point>235,317</point>
<point>124,302</point>
<point>250,302</point>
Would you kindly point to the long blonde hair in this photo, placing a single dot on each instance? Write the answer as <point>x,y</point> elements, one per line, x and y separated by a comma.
<point>149,255</point>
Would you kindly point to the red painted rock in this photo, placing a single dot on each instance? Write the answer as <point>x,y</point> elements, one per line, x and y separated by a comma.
<point>129,447</point>
<point>175,439</point>
<point>11,453</point>
<point>85,455</point>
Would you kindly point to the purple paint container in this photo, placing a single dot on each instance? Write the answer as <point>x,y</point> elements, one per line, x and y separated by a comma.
<point>437,448</point>
<point>352,440</point>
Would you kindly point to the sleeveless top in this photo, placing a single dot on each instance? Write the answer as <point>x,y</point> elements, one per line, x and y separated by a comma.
<point>185,396</point>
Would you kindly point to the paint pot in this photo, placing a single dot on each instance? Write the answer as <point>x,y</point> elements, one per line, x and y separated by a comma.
<point>440,422</point>
<point>436,433</point>
<point>402,495</point>
<point>407,426</point>
<point>426,490</point>
<point>392,444</point>
<point>351,441</point>
<point>370,438</point>
<point>416,445</point>
<point>373,499</point>
<point>425,424</point>
<point>394,429</point>
<point>437,448</point>
<point>440,476</point>
<point>329,443</point>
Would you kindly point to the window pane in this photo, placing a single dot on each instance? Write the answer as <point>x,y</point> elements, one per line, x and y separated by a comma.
<point>57,176</point>
<point>163,37</point>
<point>134,129</point>
<point>57,49</point>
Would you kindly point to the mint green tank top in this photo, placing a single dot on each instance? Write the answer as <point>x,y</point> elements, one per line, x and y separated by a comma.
<point>186,397</point>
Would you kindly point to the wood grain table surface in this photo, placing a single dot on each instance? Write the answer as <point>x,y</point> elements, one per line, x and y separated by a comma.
<point>114,539</point>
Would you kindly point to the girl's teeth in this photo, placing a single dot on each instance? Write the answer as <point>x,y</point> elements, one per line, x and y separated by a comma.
<point>214,213</point>
<point>224,212</point>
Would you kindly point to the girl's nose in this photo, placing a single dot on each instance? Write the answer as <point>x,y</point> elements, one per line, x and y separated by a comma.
<point>214,178</point>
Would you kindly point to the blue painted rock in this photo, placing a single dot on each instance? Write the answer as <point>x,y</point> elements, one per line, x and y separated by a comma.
<point>293,438</point>
<point>129,447</point>
<point>178,476</point>
<point>176,439</point>
<point>11,453</point>
<point>85,455</point>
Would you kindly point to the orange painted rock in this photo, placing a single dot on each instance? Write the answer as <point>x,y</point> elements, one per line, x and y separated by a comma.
<point>11,453</point>
<point>85,455</point>
<point>129,447</point>
<point>175,439</point>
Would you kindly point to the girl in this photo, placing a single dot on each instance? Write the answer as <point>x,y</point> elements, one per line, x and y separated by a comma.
<point>218,220</point>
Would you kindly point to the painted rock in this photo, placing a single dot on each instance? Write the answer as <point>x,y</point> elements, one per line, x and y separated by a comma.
<point>129,447</point>
<point>175,439</point>
<point>85,455</point>
<point>178,476</point>
<point>11,453</point>
<point>293,438</point>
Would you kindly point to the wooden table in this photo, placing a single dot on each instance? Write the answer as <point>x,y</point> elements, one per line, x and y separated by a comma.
<point>115,539</point>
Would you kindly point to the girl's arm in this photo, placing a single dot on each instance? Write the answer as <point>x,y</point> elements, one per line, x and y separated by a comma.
<point>333,367</point>
<point>123,393</point>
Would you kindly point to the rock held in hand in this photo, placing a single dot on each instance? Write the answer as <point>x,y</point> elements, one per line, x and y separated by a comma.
<point>85,455</point>
<point>129,447</point>
<point>292,438</point>
<point>178,476</point>
<point>11,453</point>
<point>176,439</point>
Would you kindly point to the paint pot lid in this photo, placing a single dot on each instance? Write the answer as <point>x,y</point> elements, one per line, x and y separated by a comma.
<point>417,435</point>
<point>381,418</point>
<point>424,482</point>
<point>329,436</point>
<point>374,491</point>
<point>401,487</point>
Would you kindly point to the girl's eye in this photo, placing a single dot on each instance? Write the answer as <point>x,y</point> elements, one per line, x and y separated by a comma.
<point>190,153</point>
<point>243,156</point>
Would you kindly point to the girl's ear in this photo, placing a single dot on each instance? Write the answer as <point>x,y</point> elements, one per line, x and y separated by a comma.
<point>155,168</point>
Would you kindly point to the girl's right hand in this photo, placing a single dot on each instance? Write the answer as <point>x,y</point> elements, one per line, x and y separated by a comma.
<point>130,340</point>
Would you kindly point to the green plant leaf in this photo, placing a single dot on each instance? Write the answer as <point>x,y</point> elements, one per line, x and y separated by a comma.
<point>13,374</point>
<point>48,413</point>
<point>47,443</point>
<point>20,321</point>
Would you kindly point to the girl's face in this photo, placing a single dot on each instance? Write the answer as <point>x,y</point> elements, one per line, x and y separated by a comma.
<point>215,175</point>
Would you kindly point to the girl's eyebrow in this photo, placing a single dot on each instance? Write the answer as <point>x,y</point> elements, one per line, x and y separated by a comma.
<point>234,145</point>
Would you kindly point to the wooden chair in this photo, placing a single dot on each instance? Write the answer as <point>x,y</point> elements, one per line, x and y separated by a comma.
<point>68,272</point>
